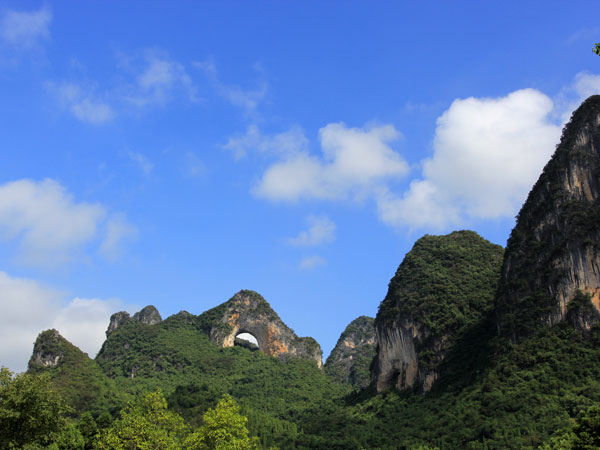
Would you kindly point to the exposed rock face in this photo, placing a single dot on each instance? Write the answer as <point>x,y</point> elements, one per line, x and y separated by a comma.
<point>148,315</point>
<point>47,350</point>
<point>248,312</point>
<point>116,320</point>
<point>350,360</point>
<point>444,285</point>
<point>553,252</point>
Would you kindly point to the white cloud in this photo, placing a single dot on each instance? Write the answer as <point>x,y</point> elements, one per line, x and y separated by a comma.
<point>321,231</point>
<point>487,155</point>
<point>423,206</point>
<point>83,322</point>
<point>29,307</point>
<point>290,142</point>
<point>247,337</point>
<point>312,262</point>
<point>50,227</point>
<point>246,99</point>
<point>150,78</point>
<point>142,162</point>
<point>194,166</point>
<point>82,102</point>
<point>584,34</point>
<point>24,30</point>
<point>584,85</point>
<point>118,231</point>
<point>354,161</point>
<point>157,79</point>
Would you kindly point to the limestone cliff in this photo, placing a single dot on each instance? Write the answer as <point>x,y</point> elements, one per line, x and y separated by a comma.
<point>350,360</point>
<point>148,315</point>
<point>48,350</point>
<point>248,312</point>
<point>444,285</point>
<point>553,252</point>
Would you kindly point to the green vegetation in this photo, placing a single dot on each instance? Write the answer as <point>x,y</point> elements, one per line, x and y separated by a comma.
<point>79,379</point>
<point>556,222</point>
<point>446,285</point>
<point>352,364</point>
<point>596,49</point>
<point>145,423</point>
<point>521,396</point>
<point>541,391</point>
<point>32,413</point>
<point>223,428</point>
<point>177,357</point>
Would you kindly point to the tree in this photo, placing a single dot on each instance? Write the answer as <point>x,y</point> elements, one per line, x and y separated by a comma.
<point>145,424</point>
<point>31,412</point>
<point>596,48</point>
<point>69,438</point>
<point>223,428</point>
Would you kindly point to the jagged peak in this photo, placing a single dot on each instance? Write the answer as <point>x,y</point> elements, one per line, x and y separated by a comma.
<point>148,315</point>
<point>350,360</point>
<point>48,350</point>
<point>551,252</point>
<point>248,312</point>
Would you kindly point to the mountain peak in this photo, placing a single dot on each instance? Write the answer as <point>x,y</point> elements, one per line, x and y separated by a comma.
<point>248,312</point>
<point>552,254</point>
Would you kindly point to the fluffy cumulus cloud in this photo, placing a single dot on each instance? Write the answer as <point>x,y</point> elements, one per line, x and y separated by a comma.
<point>487,155</point>
<point>49,226</point>
<point>29,307</point>
<point>25,29</point>
<point>321,231</point>
<point>352,163</point>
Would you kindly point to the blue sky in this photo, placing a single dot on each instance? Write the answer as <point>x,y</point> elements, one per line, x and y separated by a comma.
<point>173,155</point>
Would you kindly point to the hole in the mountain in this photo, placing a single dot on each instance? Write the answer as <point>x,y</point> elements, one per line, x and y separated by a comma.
<point>246,340</point>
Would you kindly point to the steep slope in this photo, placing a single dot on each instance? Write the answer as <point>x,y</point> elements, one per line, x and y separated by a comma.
<point>553,253</point>
<point>444,285</point>
<point>350,360</point>
<point>79,379</point>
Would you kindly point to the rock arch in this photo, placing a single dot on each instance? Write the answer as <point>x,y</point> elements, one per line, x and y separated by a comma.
<point>249,312</point>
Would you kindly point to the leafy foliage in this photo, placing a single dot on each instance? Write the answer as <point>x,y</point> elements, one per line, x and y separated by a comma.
<point>31,412</point>
<point>145,423</point>
<point>223,428</point>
